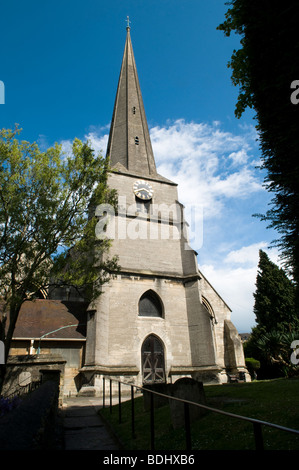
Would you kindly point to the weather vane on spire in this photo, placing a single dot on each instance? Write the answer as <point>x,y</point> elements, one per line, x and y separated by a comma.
<point>128,23</point>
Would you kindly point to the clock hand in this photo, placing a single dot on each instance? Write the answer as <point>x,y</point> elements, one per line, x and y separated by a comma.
<point>142,189</point>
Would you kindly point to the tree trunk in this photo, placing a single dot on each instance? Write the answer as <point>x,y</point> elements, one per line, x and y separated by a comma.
<point>7,338</point>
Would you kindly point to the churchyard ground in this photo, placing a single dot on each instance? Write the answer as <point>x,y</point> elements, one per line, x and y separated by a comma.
<point>275,401</point>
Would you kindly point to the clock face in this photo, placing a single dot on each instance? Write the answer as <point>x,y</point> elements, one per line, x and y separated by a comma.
<point>143,190</point>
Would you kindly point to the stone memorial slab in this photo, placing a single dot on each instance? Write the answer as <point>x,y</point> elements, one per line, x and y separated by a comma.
<point>186,389</point>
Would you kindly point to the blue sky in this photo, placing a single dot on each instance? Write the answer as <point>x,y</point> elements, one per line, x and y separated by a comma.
<point>60,62</point>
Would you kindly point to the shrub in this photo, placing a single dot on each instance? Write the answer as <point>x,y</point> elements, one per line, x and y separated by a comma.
<point>252,365</point>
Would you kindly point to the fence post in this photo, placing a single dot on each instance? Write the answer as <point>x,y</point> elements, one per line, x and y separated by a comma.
<point>133,412</point>
<point>152,422</point>
<point>258,436</point>
<point>103,392</point>
<point>119,403</point>
<point>187,426</point>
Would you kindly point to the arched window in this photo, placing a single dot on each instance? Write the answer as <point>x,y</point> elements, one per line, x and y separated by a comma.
<point>150,305</point>
<point>208,306</point>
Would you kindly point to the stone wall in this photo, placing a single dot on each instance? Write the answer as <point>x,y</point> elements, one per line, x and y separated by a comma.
<point>22,370</point>
<point>71,352</point>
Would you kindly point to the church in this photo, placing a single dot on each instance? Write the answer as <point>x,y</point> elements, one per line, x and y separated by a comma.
<point>158,319</point>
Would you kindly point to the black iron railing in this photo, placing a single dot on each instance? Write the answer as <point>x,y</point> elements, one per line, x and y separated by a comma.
<point>257,424</point>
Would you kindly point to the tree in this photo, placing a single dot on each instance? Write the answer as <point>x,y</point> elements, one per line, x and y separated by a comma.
<point>46,228</point>
<point>274,349</point>
<point>266,68</point>
<point>277,320</point>
<point>274,305</point>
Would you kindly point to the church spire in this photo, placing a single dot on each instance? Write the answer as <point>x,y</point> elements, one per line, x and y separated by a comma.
<point>129,141</point>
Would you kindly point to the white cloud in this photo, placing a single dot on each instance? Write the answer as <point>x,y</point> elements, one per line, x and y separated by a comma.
<point>239,157</point>
<point>246,254</point>
<point>66,147</point>
<point>235,279</point>
<point>236,286</point>
<point>209,164</point>
<point>181,140</point>
<point>97,142</point>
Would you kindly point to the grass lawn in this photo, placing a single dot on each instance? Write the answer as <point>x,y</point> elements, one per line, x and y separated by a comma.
<point>274,401</point>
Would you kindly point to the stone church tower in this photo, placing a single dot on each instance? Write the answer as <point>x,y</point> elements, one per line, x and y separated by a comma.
<point>158,319</point>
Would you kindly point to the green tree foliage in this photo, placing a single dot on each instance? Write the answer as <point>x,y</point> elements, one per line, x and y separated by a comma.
<point>253,366</point>
<point>274,351</point>
<point>274,305</point>
<point>45,229</point>
<point>276,317</point>
<point>264,68</point>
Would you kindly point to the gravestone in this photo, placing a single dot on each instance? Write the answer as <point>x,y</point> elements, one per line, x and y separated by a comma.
<point>186,389</point>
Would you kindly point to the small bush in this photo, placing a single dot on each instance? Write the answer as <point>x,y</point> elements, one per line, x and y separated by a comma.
<point>252,365</point>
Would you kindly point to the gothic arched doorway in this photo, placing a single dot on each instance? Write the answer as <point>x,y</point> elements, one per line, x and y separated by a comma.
<point>152,354</point>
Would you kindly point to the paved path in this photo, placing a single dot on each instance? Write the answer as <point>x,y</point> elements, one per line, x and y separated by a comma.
<point>83,427</point>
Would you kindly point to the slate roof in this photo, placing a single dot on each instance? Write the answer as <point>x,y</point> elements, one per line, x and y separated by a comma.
<point>40,317</point>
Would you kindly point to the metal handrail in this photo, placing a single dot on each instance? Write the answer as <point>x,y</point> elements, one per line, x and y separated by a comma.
<point>257,423</point>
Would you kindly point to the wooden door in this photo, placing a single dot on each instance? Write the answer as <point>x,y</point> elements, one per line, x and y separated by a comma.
<point>153,360</point>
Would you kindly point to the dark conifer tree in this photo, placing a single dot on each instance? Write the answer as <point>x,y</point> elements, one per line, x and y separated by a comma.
<point>266,70</point>
<point>274,306</point>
